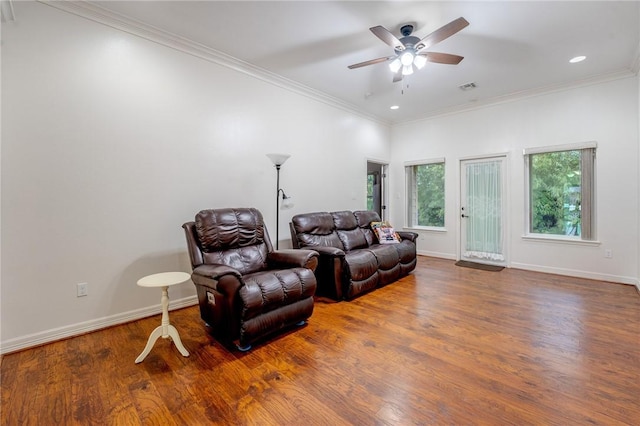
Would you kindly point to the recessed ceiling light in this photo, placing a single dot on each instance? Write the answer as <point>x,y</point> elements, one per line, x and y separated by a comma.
<point>395,107</point>
<point>577,59</point>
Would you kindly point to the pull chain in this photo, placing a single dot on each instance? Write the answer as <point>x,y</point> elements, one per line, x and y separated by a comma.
<point>404,85</point>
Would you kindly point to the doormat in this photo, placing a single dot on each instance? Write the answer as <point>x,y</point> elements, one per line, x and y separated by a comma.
<point>481,266</point>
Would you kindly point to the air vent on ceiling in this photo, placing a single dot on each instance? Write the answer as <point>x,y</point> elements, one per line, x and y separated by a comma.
<point>467,86</point>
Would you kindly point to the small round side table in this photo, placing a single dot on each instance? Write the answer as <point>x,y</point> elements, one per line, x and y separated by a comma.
<point>165,330</point>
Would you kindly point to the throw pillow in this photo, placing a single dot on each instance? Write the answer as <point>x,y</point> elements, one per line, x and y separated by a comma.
<point>385,233</point>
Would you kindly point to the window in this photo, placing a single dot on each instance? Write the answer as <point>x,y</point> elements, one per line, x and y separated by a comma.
<point>561,191</point>
<point>425,193</point>
<point>372,180</point>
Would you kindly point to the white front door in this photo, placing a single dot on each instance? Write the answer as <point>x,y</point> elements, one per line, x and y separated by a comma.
<point>483,208</point>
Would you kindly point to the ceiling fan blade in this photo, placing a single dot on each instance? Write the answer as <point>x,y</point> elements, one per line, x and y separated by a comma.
<point>441,33</point>
<point>442,58</point>
<point>385,35</point>
<point>398,76</point>
<point>370,62</point>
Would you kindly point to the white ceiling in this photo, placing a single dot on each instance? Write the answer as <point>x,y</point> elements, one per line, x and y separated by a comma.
<point>509,47</point>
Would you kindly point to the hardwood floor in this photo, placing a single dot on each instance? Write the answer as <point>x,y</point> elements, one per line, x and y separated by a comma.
<point>445,345</point>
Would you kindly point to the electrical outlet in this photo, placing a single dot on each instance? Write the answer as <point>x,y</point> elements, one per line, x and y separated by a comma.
<point>608,253</point>
<point>83,289</point>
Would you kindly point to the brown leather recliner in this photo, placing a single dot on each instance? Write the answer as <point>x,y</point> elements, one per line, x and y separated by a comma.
<point>246,290</point>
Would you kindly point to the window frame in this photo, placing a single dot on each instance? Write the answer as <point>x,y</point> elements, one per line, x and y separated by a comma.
<point>588,187</point>
<point>411,199</point>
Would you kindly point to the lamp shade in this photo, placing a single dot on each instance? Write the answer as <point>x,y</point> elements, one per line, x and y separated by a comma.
<point>406,58</point>
<point>278,159</point>
<point>419,61</point>
<point>287,202</point>
<point>395,65</point>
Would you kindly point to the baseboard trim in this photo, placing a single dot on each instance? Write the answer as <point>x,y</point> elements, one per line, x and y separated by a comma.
<point>436,254</point>
<point>551,270</point>
<point>576,273</point>
<point>48,336</point>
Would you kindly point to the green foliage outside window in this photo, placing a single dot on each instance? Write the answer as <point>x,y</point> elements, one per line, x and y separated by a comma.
<point>555,180</point>
<point>370,182</point>
<point>430,194</point>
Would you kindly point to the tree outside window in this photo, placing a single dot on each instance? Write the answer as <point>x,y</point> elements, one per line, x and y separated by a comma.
<point>371,179</point>
<point>425,184</point>
<point>561,192</point>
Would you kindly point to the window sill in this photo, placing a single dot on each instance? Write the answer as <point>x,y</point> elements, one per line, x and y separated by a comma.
<point>424,229</point>
<point>560,240</point>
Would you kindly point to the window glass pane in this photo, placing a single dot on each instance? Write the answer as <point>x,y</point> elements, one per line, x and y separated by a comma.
<point>427,209</point>
<point>370,182</point>
<point>556,192</point>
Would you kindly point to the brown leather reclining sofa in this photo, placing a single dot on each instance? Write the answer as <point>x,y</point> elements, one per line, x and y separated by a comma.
<point>351,261</point>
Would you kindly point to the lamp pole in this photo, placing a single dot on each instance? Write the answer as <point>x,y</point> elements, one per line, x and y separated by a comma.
<point>277,205</point>
<point>278,160</point>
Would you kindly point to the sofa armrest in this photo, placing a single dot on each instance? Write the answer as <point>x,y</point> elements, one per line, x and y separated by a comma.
<point>327,251</point>
<point>406,235</point>
<point>329,271</point>
<point>210,275</point>
<point>292,258</point>
<point>218,287</point>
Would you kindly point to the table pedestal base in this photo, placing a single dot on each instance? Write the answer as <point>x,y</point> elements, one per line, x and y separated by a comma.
<point>155,335</point>
<point>165,330</point>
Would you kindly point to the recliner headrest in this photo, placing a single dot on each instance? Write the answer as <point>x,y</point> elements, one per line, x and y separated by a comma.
<point>221,229</point>
<point>319,223</point>
<point>365,217</point>
<point>344,220</point>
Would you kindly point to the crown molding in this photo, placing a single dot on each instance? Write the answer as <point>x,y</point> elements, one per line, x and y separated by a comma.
<point>137,28</point>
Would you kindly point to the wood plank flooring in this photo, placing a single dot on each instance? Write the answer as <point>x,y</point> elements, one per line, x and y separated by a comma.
<point>445,345</point>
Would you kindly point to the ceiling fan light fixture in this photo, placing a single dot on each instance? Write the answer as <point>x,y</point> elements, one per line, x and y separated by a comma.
<point>406,58</point>
<point>419,61</point>
<point>395,65</point>
<point>407,70</point>
<point>408,50</point>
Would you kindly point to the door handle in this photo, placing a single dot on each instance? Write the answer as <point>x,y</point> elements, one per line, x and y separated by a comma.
<point>463,215</point>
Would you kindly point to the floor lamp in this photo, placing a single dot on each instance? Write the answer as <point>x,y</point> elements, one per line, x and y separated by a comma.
<point>278,160</point>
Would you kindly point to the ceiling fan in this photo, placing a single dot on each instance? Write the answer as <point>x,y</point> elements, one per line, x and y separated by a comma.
<point>410,51</point>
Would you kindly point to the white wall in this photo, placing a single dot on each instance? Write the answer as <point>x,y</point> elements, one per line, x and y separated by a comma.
<point>606,113</point>
<point>110,142</point>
